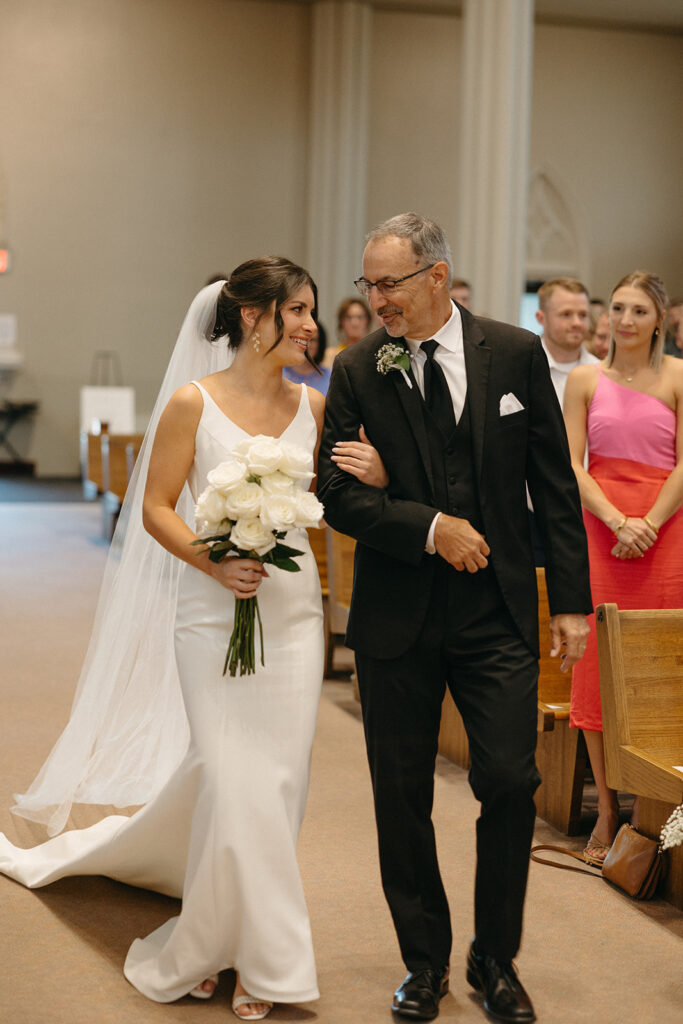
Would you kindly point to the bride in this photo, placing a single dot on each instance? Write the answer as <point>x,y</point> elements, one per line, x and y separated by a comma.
<point>222,809</point>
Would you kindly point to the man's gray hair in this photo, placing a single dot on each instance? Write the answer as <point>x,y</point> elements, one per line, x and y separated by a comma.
<point>426,237</point>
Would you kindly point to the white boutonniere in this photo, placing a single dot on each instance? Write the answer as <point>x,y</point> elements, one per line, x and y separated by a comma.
<point>394,357</point>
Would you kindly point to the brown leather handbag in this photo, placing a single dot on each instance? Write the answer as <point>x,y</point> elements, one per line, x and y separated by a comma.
<point>635,864</point>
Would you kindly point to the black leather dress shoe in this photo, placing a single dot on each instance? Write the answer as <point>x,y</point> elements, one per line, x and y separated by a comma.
<point>419,994</point>
<point>504,996</point>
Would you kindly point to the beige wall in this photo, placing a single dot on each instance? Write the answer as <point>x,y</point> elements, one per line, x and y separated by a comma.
<point>145,144</point>
<point>606,117</point>
<point>414,118</point>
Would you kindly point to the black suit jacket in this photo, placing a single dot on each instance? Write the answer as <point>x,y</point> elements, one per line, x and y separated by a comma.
<point>393,574</point>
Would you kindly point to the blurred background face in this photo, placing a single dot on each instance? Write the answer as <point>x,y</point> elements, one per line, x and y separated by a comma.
<point>599,343</point>
<point>355,323</point>
<point>462,293</point>
<point>675,323</point>
<point>565,321</point>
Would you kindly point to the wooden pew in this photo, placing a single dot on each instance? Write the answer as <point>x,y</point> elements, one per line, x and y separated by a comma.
<point>641,682</point>
<point>118,454</point>
<point>340,554</point>
<point>91,465</point>
<point>560,752</point>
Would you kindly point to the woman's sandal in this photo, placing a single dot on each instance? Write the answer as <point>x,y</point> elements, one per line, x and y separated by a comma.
<point>200,993</point>
<point>595,852</point>
<point>243,1000</point>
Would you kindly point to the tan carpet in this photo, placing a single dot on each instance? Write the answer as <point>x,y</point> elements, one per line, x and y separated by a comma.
<point>590,955</point>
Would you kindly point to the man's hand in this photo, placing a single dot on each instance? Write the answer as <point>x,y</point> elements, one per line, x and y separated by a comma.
<point>568,635</point>
<point>460,544</point>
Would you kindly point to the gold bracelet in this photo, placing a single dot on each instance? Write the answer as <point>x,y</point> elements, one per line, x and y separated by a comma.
<point>621,525</point>
<point>646,519</point>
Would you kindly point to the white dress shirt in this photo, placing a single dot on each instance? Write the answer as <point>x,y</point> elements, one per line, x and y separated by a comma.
<point>450,355</point>
<point>560,371</point>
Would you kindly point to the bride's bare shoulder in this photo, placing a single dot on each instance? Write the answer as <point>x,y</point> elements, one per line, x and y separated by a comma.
<point>184,406</point>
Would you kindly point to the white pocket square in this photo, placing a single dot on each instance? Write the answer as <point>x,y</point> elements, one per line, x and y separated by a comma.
<point>510,403</point>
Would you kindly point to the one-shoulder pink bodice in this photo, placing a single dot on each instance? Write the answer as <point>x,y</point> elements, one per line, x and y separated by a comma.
<point>627,424</point>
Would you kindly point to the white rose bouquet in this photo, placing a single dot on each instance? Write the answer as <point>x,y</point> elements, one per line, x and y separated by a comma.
<point>251,501</point>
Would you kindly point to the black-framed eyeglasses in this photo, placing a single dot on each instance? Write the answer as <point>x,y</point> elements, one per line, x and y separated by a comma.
<point>386,287</point>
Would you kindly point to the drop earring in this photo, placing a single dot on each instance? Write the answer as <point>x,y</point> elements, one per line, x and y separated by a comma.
<point>256,341</point>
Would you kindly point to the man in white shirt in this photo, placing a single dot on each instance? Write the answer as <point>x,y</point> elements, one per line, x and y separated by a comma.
<point>564,315</point>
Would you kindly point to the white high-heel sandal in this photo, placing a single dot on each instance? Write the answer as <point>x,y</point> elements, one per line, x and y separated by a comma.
<point>199,993</point>
<point>243,1000</point>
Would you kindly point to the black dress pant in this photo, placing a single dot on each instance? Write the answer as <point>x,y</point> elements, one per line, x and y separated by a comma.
<point>470,643</point>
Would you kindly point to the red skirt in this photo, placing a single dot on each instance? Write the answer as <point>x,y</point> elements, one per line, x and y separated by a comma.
<point>653,581</point>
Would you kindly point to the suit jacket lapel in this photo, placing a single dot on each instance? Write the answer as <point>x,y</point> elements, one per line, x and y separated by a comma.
<point>411,400</point>
<point>477,358</point>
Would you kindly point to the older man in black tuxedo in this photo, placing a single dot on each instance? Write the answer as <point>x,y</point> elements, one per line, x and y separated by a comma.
<point>463,413</point>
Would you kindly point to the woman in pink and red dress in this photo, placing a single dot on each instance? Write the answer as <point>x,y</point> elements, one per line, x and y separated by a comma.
<point>628,411</point>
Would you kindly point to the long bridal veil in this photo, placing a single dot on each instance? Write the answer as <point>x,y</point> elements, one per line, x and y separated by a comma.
<point>127,730</point>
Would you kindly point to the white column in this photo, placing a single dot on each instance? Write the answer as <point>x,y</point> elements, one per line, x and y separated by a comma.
<point>494,152</point>
<point>339,115</point>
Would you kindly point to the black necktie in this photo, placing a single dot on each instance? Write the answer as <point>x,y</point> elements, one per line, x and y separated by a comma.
<point>437,395</point>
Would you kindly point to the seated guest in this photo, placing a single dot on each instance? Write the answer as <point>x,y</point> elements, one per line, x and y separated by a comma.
<point>628,412</point>
<point>353,323</point>
<point>310,371</point>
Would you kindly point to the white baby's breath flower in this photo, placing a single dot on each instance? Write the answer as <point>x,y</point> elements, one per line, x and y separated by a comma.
<point>227,475</point>
<point>210,511</point>
<point>244,502</point>
<point>309,511</point>
<point>394,356</point>
<point>278,511</point>
<point>252,535</point>
<point>296,462</point>
<point>672,830</point>
<point>277,483</point>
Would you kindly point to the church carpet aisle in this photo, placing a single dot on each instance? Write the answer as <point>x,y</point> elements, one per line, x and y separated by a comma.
<point>589,953</point>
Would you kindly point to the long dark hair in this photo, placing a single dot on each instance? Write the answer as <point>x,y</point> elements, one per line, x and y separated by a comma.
<point>259,283</point>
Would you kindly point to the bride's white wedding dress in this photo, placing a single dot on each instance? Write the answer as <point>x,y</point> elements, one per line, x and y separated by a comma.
<point>222,833</point>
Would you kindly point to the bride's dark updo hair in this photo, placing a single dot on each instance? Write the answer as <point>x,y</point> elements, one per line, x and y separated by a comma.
<point>259,283</point>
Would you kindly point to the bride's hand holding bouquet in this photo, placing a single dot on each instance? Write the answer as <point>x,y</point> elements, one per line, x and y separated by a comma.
<point>251,501</point>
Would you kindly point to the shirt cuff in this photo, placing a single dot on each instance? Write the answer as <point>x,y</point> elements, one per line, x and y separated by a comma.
<point>430,547</point>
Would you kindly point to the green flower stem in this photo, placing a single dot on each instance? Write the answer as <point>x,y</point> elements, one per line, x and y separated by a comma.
<point>240,653</point>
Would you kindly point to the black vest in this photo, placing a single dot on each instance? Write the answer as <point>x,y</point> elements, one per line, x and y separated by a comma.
<point>452,462</point>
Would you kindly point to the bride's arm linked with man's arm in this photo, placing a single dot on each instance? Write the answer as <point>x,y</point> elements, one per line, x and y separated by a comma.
<point>374,515</point>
